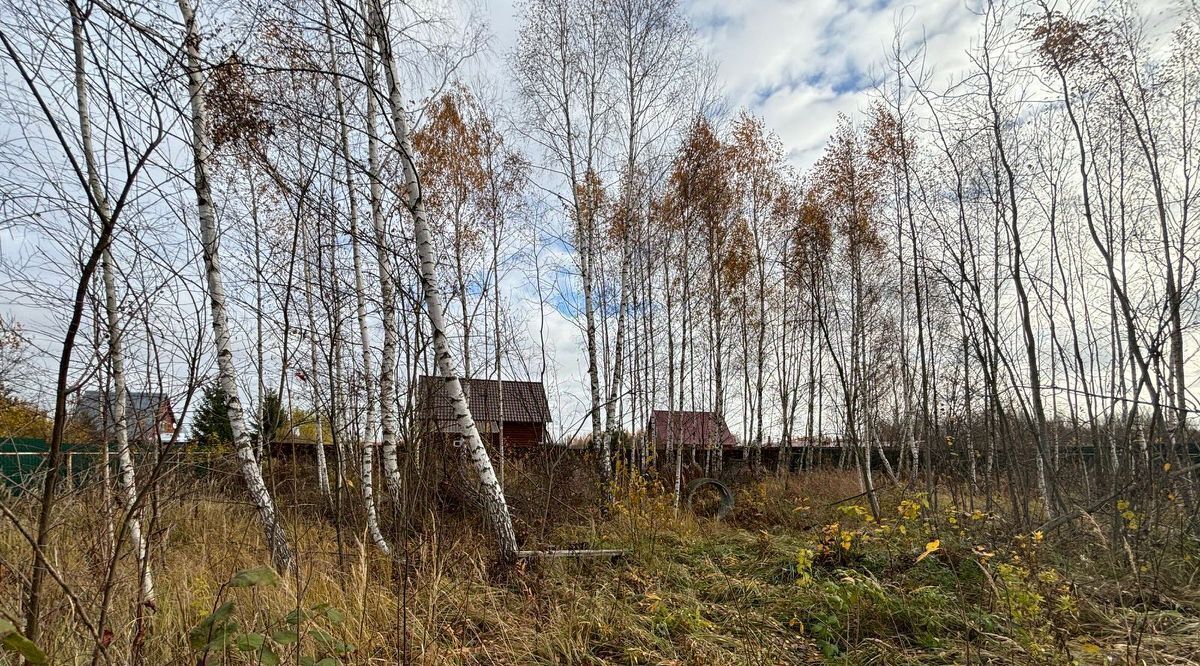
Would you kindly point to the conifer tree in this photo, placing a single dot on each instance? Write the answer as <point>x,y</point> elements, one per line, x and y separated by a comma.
<point>212,429</point>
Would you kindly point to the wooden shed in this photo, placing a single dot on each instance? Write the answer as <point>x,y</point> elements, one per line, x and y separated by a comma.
<point>516,411</point>
<point>698,430</point>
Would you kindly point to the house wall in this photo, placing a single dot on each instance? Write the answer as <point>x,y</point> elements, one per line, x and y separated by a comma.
<point>517,436</point>
<point>166,421</point>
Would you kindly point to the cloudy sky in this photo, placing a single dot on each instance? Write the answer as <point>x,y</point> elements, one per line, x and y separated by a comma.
<point>798,63</point>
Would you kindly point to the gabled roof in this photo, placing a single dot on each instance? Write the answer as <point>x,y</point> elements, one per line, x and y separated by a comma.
<point>523,402</point>
<point>698,429</point>
<point>143,411</point>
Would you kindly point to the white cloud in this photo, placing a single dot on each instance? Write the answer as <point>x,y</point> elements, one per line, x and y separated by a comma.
<point>799,64</point>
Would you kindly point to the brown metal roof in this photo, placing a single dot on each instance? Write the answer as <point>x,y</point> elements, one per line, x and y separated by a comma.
<point>523,402</point>
<point>698,429</point>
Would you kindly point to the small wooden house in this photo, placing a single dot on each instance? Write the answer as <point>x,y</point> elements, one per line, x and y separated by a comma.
<point>149,417</point>
<point>516,412</point>
<point>691,430</point>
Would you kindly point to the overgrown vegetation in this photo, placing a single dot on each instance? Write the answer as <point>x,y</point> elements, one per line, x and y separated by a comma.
<point>792,576</point>
<point>363,233</point>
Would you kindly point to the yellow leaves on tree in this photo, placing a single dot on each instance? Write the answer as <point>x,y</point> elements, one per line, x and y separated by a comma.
<point>18,418</point>
<point>701,198</point>
<point>22,419</point>
<point>591,202</point>
<point>846,185</point>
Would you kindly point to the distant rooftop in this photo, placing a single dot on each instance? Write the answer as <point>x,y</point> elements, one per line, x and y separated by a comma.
<point>148,414</point>
<point>523,402</point>
<point>699,429</point>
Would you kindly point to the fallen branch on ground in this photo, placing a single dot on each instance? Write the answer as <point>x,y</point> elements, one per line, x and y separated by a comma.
<point>551,554</point>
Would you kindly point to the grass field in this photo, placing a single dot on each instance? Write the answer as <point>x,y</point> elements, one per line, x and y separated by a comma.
<point>788,578</point>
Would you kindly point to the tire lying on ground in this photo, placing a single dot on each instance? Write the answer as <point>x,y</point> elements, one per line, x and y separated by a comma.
<point>726,503</point>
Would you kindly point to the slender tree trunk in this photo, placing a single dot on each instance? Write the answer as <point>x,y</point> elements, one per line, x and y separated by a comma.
<point>314,373</point>
<point>461,277</point>
<point>276,537</point>
<point>116,357</point>
<point>259,346</point>
<point>600,443</point>
<point>366,470</point>
<point>388,397</point>
<point>494,504</point>
<point>614,390</point>
<point>1017,269</point>
<point>496,332</point>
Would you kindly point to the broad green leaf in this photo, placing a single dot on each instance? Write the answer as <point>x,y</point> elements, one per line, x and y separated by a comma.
<point>14,641</point>
<point>334,615</point>
<point>208,628</point>
<point>222,637</point>
<point>255,576</point>
<point>285,637</point>
<point>267,656</point>
<point>328,643</point>
<point>322,637</point>
<point>250,642</point>
<point>297,616</point>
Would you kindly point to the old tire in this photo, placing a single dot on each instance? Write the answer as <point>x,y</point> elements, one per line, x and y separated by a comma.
<point>726,504</point>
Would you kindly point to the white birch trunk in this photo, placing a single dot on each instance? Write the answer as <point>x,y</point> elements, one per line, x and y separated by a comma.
<point>599,442</point>
<point>126,475</point>
<point>496,333</point>
<point>614,393</point>
<point>314,385</point>
<point>492,495</point>
<point>116,358</point>
<point>387,295</point>
<point>367,460</point>
<point>259,348</point>
<point>276,537</point>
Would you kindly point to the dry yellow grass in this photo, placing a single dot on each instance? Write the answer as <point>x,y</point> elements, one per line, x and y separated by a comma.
<point>689,591</point>
<point>452,607</point>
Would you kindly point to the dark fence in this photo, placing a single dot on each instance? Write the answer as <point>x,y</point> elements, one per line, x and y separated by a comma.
<point>23,463</point>
<point>23,459</point>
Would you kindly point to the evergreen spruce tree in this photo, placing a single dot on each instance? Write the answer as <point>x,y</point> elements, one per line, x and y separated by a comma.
<point>268,425</point>
<point>212,428</point>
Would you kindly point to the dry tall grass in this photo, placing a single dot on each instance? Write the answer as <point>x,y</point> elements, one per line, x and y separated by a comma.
<point>688,591</point>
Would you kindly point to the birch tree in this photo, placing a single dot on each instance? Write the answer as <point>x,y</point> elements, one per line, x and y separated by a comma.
<point>116,357</point>
<point>366,466</point>
<point>275,535</point>
<point>53,81</point>
<point>561,70</point>
<point>388,395</point>
<point>491,493</point>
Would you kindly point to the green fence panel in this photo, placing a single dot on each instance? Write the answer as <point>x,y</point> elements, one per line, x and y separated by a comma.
<point>22,459</point>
